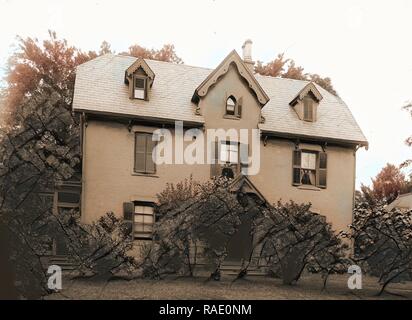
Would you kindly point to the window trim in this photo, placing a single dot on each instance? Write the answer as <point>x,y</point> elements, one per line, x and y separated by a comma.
<point>145,171</point>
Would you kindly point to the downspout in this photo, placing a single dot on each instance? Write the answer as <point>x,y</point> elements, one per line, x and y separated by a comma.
<point>357,147</point>
<point>352,245</point>
<point>83,126</point>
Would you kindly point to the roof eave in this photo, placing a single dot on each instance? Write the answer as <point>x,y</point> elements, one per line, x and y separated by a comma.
<point>287,135</point>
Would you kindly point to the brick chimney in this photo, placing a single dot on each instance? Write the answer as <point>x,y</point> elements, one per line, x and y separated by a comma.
<point>247,55</point>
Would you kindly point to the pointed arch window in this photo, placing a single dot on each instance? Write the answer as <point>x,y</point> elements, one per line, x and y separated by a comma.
<point>231,106</point>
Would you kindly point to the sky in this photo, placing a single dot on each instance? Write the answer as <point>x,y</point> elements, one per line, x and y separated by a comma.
<point>364,46</point>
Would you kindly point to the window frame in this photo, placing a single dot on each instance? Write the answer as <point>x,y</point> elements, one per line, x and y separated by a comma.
<point>135,77</point>
<point>70,188</point>
<point>149,235</point>
<point>233,99</point>
<point>319,169</point>
<point>145,153</point>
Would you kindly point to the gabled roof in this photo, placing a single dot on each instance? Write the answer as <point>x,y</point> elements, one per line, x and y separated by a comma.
<point>100,89</point>
<point>222,69</point>
<point>243,183</point>
<point>309,88</point>
<point>139,63</point>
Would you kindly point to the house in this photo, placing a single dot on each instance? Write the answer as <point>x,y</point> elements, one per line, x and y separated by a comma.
<point>403,201</point>
<point>307,138</point>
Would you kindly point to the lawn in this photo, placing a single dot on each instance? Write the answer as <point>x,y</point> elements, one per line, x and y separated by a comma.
<point>254,287</point>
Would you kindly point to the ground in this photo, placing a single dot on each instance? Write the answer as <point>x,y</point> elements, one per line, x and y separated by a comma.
<point>257,287</point>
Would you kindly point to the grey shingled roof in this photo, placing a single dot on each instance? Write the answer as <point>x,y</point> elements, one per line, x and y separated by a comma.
<point>100,88</point>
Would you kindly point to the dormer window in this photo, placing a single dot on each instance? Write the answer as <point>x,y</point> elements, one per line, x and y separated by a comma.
<point>139,77</point>
<point>139,88</point>
<point>230,106</point>
<point>308,105</point>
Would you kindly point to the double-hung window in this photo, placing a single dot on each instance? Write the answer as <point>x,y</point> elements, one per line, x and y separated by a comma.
<point>309,168</point>
<point>139,89</point>
<point>143,221</point>
<point>229,152</point>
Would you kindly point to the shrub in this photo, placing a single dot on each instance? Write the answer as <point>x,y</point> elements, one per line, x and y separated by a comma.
<point>294,238</point>
<point>383,241</point>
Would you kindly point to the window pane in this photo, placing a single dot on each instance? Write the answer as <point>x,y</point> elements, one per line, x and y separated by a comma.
<point>148,219</point>
<point>138,218</point>
<point>308,177</point>
<point>233,146</point>
<point>68,197</point>
<point>148,228</point>
<point>308,160</point>
<point>224,156</point>
<point>139,83</point>
<point>138,227</point>
<point>139,209</point>
<point>148,210</point>
<point>233,157</point>
<point>139,93</point>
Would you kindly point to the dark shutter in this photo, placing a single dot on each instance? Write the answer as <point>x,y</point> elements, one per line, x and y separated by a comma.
<point>144,145</point>
<point>215,167</point>
<point>296,171</point>
<point>128,213</point>
<point>239,108</point>
<point>322,169</point>
<point>308,109</point>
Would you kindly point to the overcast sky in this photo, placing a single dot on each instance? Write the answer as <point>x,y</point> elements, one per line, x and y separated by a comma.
<point>364,46</point>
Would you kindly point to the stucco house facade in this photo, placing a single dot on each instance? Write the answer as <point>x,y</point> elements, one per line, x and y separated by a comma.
<point>307,137</point>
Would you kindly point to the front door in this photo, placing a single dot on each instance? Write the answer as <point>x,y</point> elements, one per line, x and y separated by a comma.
<point>241,244</point>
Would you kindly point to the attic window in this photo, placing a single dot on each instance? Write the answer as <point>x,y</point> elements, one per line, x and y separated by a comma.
<point>233,107</point>
<point>308,108</point>
<point>230,106</point>
<point>139,91</point>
